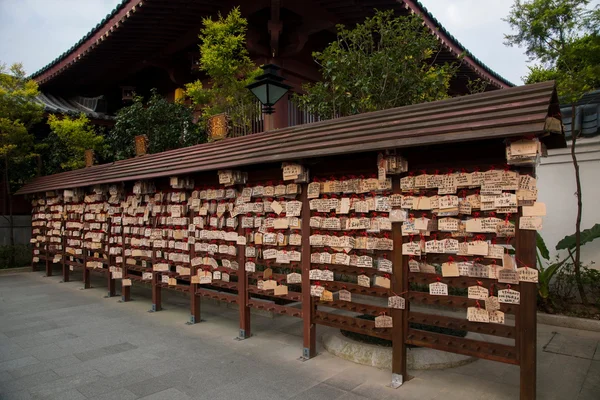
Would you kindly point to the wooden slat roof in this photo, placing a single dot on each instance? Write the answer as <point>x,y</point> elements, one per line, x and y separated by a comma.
<point>504,113</point>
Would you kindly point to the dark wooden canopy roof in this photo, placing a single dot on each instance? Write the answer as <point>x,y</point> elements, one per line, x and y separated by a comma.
<point>139,33</point>
<point>498,114</point>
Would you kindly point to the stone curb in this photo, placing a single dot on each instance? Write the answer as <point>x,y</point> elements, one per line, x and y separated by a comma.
<point>381,357</point>
<point>569,322</point>
<point>10,271</point>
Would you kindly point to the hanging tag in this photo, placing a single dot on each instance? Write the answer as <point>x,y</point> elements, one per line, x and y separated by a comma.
<point>413,265</point>
<point>396,302</point>
<point>476,314</point>
<point>345,295</point>
<point>364,280</point>
<point>316,290</point>
<point>496,317</point>
<point>477,292</point>
<point>509,296</point>
<point>195,279</point>
<point>269,284</point>
<point>528,274</point>
<point>326,295</point>
<point>450,269</point>
<point>294,277</point>
<point>147,276</point>
<point>508,276</point>
<point>438,289</point>
<point>383,321</point>
<point>267,273</point>
<point>492,303</point>
<point>281,290</point>
<point>382,281</point>
<point>126,282</point>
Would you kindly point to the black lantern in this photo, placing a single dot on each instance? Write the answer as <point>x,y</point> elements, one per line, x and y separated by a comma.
<point>269,87</point>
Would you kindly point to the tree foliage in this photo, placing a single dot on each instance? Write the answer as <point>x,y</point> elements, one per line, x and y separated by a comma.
<point>384,62</point>
<point>18,113</point>
<point>563,37</point>
<point>167,125</point>
<point>74,136</point>
<point>225,60</point>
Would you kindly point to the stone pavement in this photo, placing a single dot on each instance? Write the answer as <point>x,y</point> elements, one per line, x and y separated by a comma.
<point>59,342</point>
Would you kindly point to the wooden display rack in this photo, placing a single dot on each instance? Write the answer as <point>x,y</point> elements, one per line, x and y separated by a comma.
<point>435,144</point>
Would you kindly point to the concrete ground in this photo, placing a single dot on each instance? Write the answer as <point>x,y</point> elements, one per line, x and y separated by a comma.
<point>59,342</point>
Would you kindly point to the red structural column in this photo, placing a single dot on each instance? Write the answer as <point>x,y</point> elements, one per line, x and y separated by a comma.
<point>125,290</point>
<point>308,306</point>
<point>156,288</point>
<point>245,331</point>
<point>194,298</point>
<point>106,249</point>
<point>399,287</point>
<point>65,267</point>
<point>527,315</point>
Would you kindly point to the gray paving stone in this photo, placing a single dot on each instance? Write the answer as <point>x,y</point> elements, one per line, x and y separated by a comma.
<point>71,394</point>
<point>149,386</point>
<point>20,395</point>
<point>18,363</point>
<point>169,394</point>
<point>319,392</point>
<point>27,382</point>
<point>119,394</point>
<point>108,384</point>
<point>60,385</point>
<point>105,351</point>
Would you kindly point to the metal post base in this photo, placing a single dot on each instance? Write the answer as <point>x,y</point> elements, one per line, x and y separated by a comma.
<point>305,354</point>
<point>193,321</point>
<point>153,309</point>
<point>242,335</point>
<point>397,381</point>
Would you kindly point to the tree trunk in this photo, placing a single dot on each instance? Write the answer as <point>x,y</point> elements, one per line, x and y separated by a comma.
<point>577,266</point>
<point>11,224</point>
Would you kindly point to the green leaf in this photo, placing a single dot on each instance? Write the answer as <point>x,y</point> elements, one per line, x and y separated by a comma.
<point>587,235</point>
<point>541,246</point>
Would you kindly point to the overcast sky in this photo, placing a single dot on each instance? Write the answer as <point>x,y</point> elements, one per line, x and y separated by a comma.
<point>35,32</point>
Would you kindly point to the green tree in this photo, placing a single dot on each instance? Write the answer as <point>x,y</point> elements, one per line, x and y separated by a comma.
<point>384,62</point>
<point>18,113</point>
<point>225,60</point>
<point>72,137</point>
<point>167,125</point>
<point>562,36</point>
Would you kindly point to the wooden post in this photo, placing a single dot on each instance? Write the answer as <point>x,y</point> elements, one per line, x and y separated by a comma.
<point>527,316</point>
<point>86,272</point>
<point>111,281</point>
<point>65,267</point>
<point>309,349</point>
<point>156,292</point>
<point>194,298</point>
<point>47,248</point>
<point>399,317</point>
<point>245,331</point>
<point>125,290</point>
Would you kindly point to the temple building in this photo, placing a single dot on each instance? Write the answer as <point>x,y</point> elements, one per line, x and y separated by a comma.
<point>145,44</point>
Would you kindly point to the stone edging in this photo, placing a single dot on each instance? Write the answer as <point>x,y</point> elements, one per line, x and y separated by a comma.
<point>381,357</point>
<point>10,271</point>
<point>569,322</point>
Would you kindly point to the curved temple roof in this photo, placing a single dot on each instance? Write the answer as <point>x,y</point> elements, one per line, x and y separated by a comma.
<point>512,112</point>
<point>119,16</point>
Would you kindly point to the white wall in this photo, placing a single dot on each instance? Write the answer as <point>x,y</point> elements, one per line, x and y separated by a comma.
<point>556,184</point>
